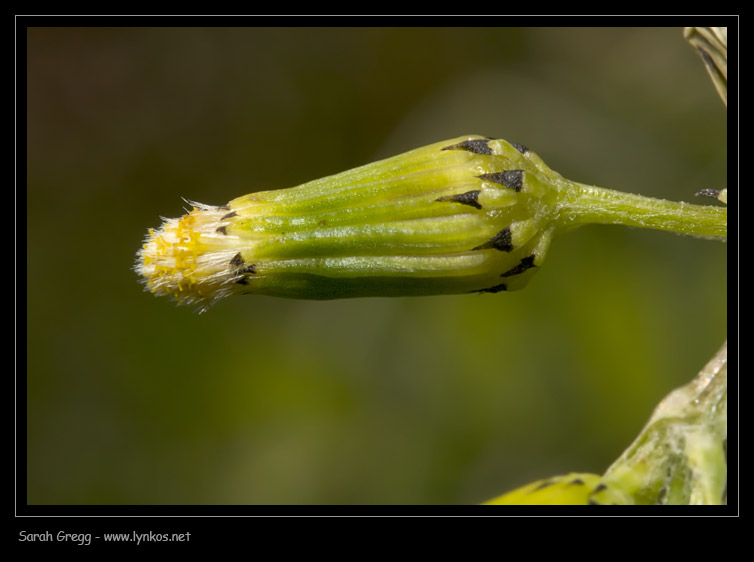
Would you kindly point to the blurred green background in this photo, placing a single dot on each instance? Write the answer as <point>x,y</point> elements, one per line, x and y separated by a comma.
<point>434,400</point>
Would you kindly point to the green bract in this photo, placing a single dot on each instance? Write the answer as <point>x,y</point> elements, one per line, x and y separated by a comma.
<point>471,214</point>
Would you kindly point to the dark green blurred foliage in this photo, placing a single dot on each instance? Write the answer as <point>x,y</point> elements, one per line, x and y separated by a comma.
<point>428,400</point>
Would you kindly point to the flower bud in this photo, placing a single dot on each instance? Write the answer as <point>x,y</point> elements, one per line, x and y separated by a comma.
<point>472,214</point>
<point>576,488</point>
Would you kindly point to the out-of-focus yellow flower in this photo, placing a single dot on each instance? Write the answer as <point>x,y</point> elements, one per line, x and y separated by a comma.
<point>572,489</point>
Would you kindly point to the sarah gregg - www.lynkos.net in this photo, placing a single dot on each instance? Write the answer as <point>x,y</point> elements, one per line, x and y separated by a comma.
<point>85,539</point>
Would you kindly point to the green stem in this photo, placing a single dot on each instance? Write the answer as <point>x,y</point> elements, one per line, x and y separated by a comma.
<point>584,204</point>
<point>680,456</point>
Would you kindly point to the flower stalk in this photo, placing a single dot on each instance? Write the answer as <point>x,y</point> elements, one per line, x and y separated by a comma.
<point>679,458</point>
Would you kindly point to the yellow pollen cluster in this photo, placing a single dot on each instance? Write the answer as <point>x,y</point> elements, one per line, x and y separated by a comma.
<point>188,259</point>
<point>172,252</point>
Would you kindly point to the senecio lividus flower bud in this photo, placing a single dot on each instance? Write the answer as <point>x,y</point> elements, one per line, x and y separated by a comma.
<point>472,214</point>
